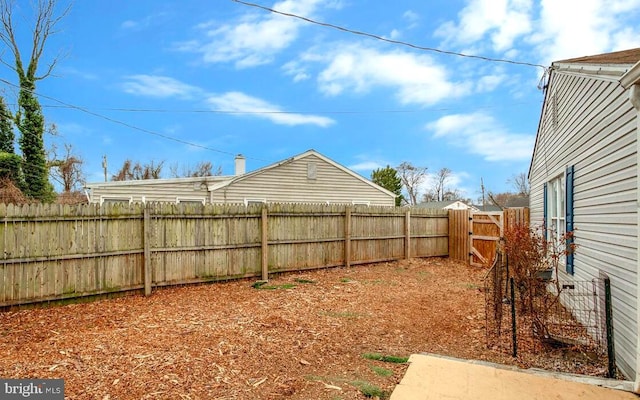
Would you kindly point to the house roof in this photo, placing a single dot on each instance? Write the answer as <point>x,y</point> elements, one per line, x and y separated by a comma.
<point>630,56</point>
<point>217,182</point>
<point>300,156</point>
<point>618,66</point>
<point>517,201</point>
<point>487,207</point>
<point>435,204</point>
<point>212,179</point>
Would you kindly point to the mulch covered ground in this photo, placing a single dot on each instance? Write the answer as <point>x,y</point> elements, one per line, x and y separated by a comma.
<point>312,335</point>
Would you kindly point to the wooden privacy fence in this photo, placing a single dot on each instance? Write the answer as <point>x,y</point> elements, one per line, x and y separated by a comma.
<point>474,236</point>
<point>56,252</point>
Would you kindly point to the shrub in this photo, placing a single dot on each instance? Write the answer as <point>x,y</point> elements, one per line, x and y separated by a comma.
<point>529,253</point>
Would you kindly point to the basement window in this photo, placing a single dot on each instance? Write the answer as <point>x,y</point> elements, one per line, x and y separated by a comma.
<point>115,199</point>
<point>191,200</point>
<point>360,203</point>
<point>248,202</point>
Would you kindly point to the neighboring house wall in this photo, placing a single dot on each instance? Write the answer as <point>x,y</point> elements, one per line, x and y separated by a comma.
<point>305,180</point>
<point>458,205</point>
<point>193,189</point>
<point>588,122</point>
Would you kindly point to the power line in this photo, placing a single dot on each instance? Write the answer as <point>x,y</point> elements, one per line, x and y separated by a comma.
<point>384,39</point>
<point>233,112</point>
<point>115,121</point>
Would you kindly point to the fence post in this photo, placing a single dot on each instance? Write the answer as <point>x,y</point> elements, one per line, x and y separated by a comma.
<point>407,235</point>
<point>146,228</point>
<point>611,354</point>
<point>514,330</point>
<point>347,236</point>
<point>265,244</point>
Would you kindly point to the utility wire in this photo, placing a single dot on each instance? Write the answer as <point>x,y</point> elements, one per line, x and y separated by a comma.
<point>115,121</point>
<point>230,112</point>
<point>361,33</point>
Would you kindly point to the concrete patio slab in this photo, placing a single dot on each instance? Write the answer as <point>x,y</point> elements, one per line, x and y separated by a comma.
<point>435,377</point>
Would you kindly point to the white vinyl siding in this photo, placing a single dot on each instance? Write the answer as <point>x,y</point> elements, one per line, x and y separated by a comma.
<point>290,183</point>
<point>168,190</point>
<point>306,179</point>
<point>594,128</point>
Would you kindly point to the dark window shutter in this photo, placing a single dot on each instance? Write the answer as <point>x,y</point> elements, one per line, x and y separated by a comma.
<point>569,215</point>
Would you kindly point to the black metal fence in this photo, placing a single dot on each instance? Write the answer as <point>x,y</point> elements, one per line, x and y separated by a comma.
<point>549,315</point>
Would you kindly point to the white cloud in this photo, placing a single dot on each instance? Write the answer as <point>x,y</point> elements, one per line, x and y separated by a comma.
<point>142,23</point>
<point>296,70</point>
<point>455,181</point>
<point>482,134</point>
<point>72,128</point>
<point>366,166</point>
<point>415,78</point>
<point>594,26</point>
<point>255,38</point>
<point>158,86</point>
<point>488,83</point>
<point>551,29</point>
<point>502,20</point>
<point>411,16</point>
<point>71,71</point>
<point>395,34</point>
<point>241,103</point>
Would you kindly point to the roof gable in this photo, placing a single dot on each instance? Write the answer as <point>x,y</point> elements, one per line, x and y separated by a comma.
<point>622,67</point>
<point>308,153</point>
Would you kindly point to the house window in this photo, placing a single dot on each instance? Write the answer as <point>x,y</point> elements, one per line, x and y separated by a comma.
<point>248,202</point>
<point>556,209</point>
<point>360,203</point>
<point>115,199</point>
<point>558,212</point>
<point>191,200</point>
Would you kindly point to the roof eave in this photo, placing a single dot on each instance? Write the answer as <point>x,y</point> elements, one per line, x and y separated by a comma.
<point>631,77</point>
<point>604,71</point>
<point>143,182</point>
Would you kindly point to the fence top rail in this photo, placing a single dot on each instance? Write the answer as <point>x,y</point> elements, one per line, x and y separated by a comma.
<point>111,210</point>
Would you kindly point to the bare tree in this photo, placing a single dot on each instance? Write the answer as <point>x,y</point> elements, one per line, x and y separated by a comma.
<point>412,177</point>
<point>137,171</point>
<point>520,183</point>
<point>148,171</point>
<point>439,191</point>
<point>201,169</point>
<point>66,170</point>
<point>29,119</point>
<point>125,173</point>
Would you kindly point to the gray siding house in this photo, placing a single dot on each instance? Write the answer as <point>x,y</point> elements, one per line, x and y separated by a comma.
<point>309,177</point>
<point>584,178</point>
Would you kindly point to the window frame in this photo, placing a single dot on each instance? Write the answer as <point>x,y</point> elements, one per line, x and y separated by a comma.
<point>556,207</point>
<point>186,199</point>
<point>254,201</point>
<point>559,214</point>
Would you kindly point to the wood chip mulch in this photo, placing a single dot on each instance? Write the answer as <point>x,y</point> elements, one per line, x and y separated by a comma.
<point>301,336</point>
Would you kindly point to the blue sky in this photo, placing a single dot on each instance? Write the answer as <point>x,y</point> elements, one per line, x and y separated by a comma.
<point>222,78</point>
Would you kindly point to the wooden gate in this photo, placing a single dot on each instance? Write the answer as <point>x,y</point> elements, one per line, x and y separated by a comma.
<point>485,230</point>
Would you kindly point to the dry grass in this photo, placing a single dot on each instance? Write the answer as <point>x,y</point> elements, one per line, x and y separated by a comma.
<point>231,341</point>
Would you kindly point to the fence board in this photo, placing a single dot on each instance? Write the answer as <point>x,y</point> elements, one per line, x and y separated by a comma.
<point>58,252</point>
<point>459,235</point>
